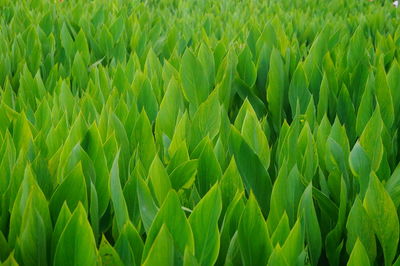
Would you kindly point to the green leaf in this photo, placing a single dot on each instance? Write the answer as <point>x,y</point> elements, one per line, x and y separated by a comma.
<point>159,180</point>
<point>142,136</point>
<point>105,40</point>
<point>62,220</point>
<point>34,240</point>
<point>229,226</point>
<point>181,131</point>
<point>359,230</point>
<point>153,70</point>
<point>30,202</point>
<point>393,79</point>
<point>22,133</point>
<point>337,149</point>
<point>298,90</point>
<point>162,250</point>
<point>130,240</point>
<point>92,144</point>
<point>66,41</point>
<point>359,255</point>
<point>334,242</point>
<point>255,176</point>
<point>75,179</point>
<point>276,89</point>
<point>117,196</point>
<point>81,45</point>
<point>393,186</point>
<point>10,261</point>
<point>233,256</point>
<point>360,166</point>
<point>34,58</point>
<point>208,169</point>
<point>94,211</point>
<point>79,71</point>
<point>246,68</point>
<point>383,95</point>
<point>4,247</point>
<point>255,138</point>
<point>195,82</point>
<point>346,112</point>
<point>307,157</point>
<point>121,137</point>
<point>207,60</point>
<point>245,109</point>
<point>79,156</point>
<point>277,257</point>
<point>170,105</point>
<point>107,254</point>
<point>117,28</point>
<point>206,121</point>
<point>384,219</point>
<point>315,56</point>
<point>365,109</point>
<point>322,135</point>
<point>281,231</point>
<point>309,221</point>
<point>77,234</point>
<point>131,195</point>
<point>125,251</point>
<point>285,196</point>
<point>184,174</point>
<point>356,47</point>
<point>371,139</point>
<point>147,206</point>
<point>255,244</point>
<point>75,135</point>
<point>323,103</point>
<point>230,184</point>
<point>189,259</point>
<point>204,223</point>
<point>293,246</point>
<point>227,71</point>
<point>147,101</point>
<point>172,215</point>
<point>120,80</point>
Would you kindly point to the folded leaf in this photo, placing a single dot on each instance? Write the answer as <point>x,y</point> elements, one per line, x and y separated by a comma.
<point>77,234</point>
<point>384,219</point>
<point>254,242</point>
<point>204,223</point>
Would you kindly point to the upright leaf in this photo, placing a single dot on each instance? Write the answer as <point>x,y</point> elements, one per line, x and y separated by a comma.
<point>194,79</point>
<point>159,180</point>
<point>384,219</point>
<point>162,250</point>
<point>75,179</point>
<point>359,230</point>
<point>172,215</point>
<point>77,234</point>
<point>310,224</point>
<point>371,139</point>
<point>254,242</point>
<point>298,90</point>
<point>204,223</point>
<point>383,95</point>
<point>359,255</point>
<point>246,68</point>
<point>255,177</point>
<point>276,89</point>
<point>117,196</point>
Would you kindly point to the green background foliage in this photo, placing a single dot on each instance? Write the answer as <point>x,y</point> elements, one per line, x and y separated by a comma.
<point>180,132</point>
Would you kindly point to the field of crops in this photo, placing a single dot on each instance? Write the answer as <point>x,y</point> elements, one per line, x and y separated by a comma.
<point>180,132</point>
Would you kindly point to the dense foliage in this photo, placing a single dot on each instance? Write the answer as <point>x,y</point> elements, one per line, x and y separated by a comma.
<point>199,132</point>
